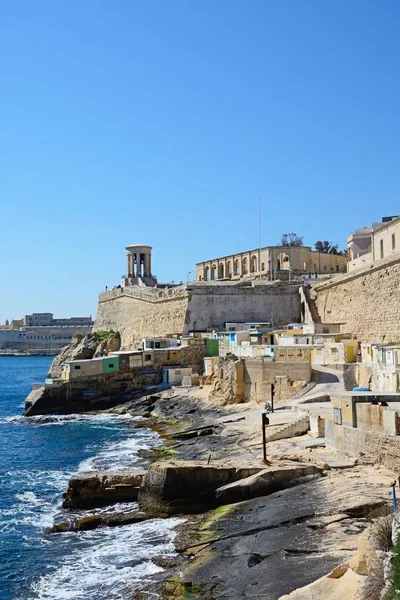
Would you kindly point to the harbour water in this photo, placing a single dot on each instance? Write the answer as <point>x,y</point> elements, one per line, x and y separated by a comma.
<point>37,457</point>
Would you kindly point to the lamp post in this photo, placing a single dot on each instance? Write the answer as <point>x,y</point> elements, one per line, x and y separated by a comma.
<point>189,273</point>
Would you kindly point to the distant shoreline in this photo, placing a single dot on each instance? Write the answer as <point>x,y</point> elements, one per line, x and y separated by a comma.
<point>29,354</point>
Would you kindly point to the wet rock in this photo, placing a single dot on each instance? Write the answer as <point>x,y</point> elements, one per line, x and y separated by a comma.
<point>87,523</point>
<point>98,520</point>
<point>87,490</point>
<point>60,527</point>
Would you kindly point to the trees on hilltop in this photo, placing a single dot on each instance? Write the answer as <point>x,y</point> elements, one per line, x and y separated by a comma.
<point>291,239</point>
<point>328,248</point>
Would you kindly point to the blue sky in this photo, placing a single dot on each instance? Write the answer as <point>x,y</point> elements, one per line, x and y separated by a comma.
<point>164,123</point>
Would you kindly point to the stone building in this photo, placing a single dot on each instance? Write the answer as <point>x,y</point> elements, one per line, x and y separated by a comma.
<point>369,245</point>
<point>271,262</point>
<point>48,320</point>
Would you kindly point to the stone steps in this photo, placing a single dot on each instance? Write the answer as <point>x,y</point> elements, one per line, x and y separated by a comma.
<point>298,427</point>
<point>349,377</point>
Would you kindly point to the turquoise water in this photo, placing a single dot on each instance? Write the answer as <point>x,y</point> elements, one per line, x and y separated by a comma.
<point>37,457</point>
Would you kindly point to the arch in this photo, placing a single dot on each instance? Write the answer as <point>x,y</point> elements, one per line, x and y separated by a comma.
<point>236,270</point>
<point>283,262</point>
<point>262,266</point>
<point>213,272</point>
<point>206,273</point>
<point>253,264</point>
<point>244,266</point>
<point>221,271</point>
<point>228,270</point>
<point>200,278</point>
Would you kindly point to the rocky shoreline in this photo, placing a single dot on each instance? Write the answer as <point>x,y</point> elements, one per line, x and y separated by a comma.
<point>252,530</point>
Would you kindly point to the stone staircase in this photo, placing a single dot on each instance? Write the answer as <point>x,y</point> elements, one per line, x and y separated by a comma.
<point>310,308</point>
<point>289,430</point>
<point>349,376</point>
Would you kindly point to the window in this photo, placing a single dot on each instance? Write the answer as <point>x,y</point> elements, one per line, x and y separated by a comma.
<point>334,350</point>
<point>381,247</point>
<point>393,242</point>
<point>147,357</point>
<point>111,365</point>
<point>77,367</point>
<point>299,352</point>
<point>337,415</point>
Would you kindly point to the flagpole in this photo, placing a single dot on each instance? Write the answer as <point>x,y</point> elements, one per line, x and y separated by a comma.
<point>259,244</point>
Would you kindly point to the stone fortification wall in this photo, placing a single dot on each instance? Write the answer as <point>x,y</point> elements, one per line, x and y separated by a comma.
<point>139,312</point>
<point>366,301</point>
<point>214,304</point>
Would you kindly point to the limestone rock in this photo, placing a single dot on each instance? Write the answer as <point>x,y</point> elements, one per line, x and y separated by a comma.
<point>78,350</point>
<point>98,520</point>
<point>87,490</point>
<point>265,482</point>
<point>114,342</point>
<point>101,349</point>
<point>187,486</point>
<point>360,561</point>
<point>342,583</point>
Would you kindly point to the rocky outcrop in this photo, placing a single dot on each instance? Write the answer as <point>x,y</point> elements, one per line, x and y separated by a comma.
<point>85,348</point>
<point>94,521</point>
<point>265,482</point>
<point>87,490</point>
<point>271,545</point>
<point>228,383</point>
<point>79,349</point>
<point>188,486</point>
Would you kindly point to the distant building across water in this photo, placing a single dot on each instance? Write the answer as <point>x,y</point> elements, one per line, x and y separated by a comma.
<point>41,333</point>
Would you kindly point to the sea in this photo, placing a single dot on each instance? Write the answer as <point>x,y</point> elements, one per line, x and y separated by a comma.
<point>38,455</point>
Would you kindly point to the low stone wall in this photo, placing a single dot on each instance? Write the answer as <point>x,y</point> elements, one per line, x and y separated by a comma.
<point>380,419</point>
<point>368,446</point>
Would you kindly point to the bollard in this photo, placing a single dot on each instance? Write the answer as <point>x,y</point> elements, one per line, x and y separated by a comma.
<point>272,396</point>
<point>264,423</point>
